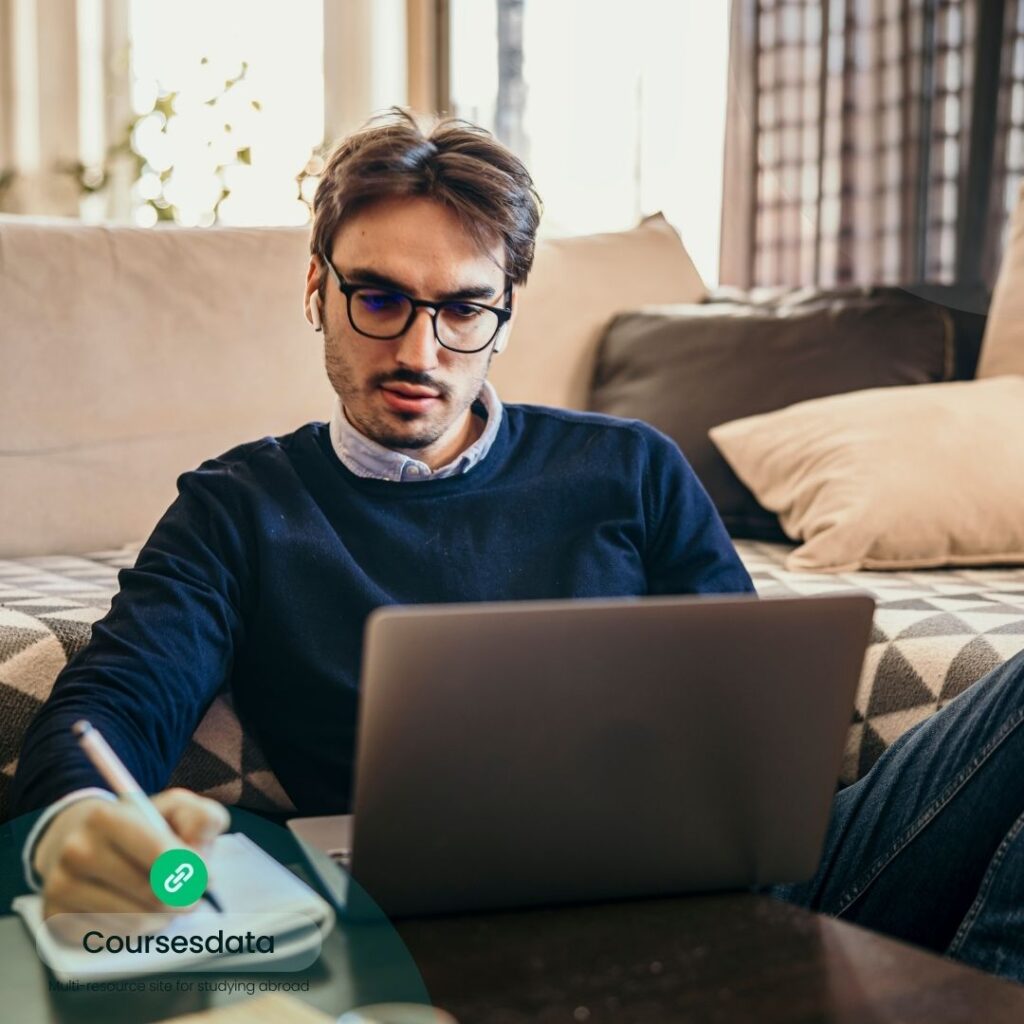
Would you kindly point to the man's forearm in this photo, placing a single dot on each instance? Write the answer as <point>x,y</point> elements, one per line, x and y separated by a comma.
<point>51,764</point>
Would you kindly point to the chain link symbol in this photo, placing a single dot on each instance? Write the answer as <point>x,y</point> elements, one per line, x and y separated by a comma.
<point>178,877</point>
<point>173,882</point>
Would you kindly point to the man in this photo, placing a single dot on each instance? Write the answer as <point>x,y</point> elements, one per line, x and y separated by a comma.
<point>424,488</point>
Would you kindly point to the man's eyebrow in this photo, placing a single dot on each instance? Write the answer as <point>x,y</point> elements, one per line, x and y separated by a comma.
<point>364,275</point>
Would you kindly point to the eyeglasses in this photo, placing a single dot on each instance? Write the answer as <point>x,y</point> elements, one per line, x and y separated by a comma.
<point>385,314</point>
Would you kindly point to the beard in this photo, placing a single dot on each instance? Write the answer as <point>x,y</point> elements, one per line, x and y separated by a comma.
<point>359,401</point>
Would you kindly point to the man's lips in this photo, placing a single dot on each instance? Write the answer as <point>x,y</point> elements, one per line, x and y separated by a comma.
<point>410,390</point>
<point>408,397</point>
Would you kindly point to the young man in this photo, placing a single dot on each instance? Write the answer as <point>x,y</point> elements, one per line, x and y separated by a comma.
<point>423,487</point>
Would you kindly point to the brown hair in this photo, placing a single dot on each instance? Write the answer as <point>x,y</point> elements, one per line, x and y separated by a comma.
<point>455,162</point>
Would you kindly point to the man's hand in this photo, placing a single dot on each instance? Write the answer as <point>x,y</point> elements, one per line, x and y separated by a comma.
<point>96,854</point>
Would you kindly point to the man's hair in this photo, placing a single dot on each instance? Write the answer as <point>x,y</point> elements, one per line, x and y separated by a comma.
<point>454,162</point>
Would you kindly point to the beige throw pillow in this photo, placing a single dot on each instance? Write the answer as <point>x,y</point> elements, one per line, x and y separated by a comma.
<point>1002,348</point>
<point>575,287</point>
<point>891,478</point>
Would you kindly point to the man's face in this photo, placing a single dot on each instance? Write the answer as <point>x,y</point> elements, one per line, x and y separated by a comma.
<point>408,393</point>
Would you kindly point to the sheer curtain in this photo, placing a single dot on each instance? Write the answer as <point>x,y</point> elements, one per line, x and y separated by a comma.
<point>617,109</point>
<point>74,76</point>
<point>63,89</point>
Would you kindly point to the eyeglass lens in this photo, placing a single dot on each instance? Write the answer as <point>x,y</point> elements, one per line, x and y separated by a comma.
<point>460,325</point>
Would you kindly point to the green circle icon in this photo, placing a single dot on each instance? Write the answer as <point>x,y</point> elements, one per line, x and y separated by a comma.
<point>178,877</point>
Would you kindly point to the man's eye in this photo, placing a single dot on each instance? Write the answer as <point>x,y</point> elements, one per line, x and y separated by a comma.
<point>379,302</point>
<point>463,310</point>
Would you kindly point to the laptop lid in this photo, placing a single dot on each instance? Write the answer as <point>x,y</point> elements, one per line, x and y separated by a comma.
<point>526,753</point>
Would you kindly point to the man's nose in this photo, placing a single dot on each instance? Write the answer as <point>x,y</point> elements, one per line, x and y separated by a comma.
<point>417,348</point>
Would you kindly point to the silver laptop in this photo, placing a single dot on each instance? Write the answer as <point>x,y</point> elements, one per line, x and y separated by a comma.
<point>526,753</point>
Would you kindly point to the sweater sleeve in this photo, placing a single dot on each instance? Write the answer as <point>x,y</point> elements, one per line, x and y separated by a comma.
<point>156,660</point>
<point>688,548</point>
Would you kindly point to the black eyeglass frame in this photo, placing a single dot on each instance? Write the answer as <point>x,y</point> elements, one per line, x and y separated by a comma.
<point>349,288</point>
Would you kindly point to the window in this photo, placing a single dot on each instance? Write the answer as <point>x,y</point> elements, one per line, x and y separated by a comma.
<point>229,109</point>
<point>618,109</point>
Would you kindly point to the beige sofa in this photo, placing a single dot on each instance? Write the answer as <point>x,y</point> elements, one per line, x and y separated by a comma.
<point>131,355</point>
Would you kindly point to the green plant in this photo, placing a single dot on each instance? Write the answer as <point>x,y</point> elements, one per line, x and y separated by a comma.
<point>145,142</point>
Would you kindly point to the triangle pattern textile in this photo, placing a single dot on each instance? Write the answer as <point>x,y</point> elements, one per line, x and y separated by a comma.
<point>936,633</point>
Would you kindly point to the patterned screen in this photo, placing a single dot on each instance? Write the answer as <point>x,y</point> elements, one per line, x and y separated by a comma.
<point>865,141</point>
<point>1009,136</point>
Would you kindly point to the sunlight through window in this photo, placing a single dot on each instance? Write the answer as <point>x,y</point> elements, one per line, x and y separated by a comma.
<point>229,107</point>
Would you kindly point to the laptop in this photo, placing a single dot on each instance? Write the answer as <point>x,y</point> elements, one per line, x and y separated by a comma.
<point>532,753</point>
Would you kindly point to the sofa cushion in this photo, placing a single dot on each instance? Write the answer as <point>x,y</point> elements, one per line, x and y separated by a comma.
<point>1002,350</point>
<point>130,355</point>
<point>575,287</point>
<point>935,633</point>
<point>686,369</point>
<point>891,478</point>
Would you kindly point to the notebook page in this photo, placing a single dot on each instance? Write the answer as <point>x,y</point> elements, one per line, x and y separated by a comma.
<point>246,879</point>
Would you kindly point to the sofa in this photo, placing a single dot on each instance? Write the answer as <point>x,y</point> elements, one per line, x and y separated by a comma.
<point>130,355</point>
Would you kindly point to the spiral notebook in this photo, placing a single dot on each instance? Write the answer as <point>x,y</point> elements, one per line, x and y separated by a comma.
<point>257,894</point>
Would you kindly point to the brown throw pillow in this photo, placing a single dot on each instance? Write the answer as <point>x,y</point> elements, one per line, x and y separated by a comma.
<point>685,369</point>
<point>892,478</point>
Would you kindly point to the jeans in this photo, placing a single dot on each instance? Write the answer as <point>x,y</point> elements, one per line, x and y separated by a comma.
<point>928,846</point>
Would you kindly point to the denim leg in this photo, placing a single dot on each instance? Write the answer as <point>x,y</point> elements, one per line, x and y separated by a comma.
<point>911,845</point>
<point>991,935</point>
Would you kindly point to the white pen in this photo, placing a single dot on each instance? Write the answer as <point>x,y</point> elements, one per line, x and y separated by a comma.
<point>120,780</point>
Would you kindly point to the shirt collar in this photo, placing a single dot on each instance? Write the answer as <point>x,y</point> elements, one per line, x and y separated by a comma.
<point>366,458</point>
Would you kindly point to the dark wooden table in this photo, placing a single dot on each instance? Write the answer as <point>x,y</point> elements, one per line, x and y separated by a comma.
<point>701,959</point>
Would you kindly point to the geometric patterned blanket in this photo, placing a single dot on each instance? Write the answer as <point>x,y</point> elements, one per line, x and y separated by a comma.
<point>935,633</point>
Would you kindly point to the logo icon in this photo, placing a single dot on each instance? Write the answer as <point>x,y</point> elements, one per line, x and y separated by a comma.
<point>178,877</point>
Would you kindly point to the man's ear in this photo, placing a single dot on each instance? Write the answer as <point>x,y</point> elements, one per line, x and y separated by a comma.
<point>311,299</point>
<point>501,342</point>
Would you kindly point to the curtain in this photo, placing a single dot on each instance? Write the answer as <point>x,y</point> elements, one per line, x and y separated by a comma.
<point>872,141</point>
<point>64,100</point>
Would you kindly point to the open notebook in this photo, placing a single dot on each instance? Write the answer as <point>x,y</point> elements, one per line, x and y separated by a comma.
<point>258,895</point>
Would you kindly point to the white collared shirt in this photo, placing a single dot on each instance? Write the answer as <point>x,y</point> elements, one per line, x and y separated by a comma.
<point>366,458</point>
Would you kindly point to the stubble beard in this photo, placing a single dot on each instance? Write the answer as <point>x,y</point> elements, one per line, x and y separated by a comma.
<point>373,425</point>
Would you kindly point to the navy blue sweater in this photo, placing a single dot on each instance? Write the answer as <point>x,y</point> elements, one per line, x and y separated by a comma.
<point>266,566</point>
